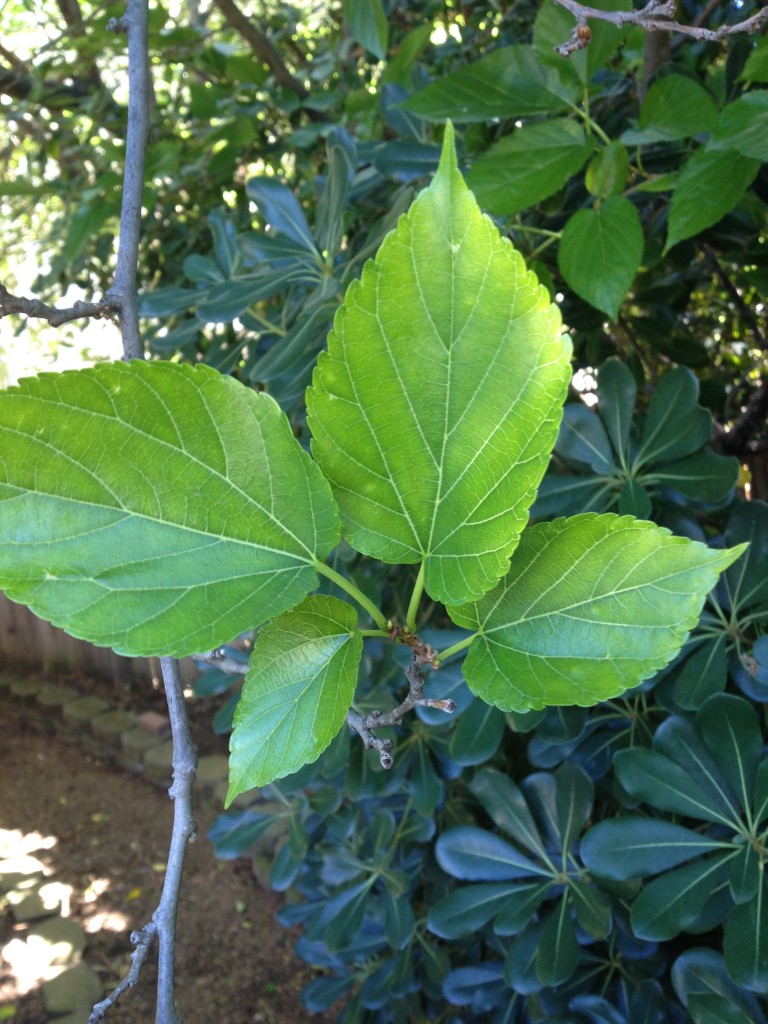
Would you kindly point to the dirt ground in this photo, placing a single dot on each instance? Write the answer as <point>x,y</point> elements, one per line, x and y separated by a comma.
<point>105,832</point>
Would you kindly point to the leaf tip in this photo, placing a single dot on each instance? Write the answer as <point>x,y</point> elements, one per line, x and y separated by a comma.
<point>448,166</point>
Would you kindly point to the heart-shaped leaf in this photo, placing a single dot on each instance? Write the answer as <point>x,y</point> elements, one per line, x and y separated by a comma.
<point>156,508</point>
<point>297,692</point>
<point>600,252</point>
<point>436,406</point>
<point>590,607</point>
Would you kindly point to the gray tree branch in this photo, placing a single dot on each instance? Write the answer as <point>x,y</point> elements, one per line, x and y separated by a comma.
<point>260,46</point>
<point>56,317</point>
<point>657,15</point>
<point>123,295</point>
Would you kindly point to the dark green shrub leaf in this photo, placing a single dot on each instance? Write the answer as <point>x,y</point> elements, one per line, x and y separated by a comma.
<point>715,1009</point>
<point>474,855</point>
<point>279,207</point>
<point>529,165</point>
<point>233,834</point>
<point>214,525</point>
<point>477,734</point>
<point>590,607</point>
<point>490,338</point>
<point>399,921</point>
<point>634,500</point>
<point>745,944</point>
<point>574,794</point>
<point>701,972</point>
<point>297,692</point>
<point>592,908</point>
<point>676,425</point>
<point>668,905</point>
<point>624,848</point>
<point>746,875</point>
<point>569,495</point>
<point>679,740</point>
<point>582,439</point>
<point>654,779</point>
<point>704,477</point>
<point>731,732</point>
<point>710,185</point>
<point>600,253</point>
<point>523,900</point>
<point>558,953</point>
<point>467,909</point>
<point>703,675</point>
<point>508,809</point>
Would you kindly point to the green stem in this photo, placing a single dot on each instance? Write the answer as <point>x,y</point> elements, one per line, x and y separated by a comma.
<point>373,632</point>
<point>357,595</point>
<point>418,590</point>
<point>450,651</point>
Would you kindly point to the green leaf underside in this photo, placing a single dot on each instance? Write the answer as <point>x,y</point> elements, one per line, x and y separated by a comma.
<point>297,692</point>
<point>437,404</point>
<point>156,508</point>
<point>591,606</point>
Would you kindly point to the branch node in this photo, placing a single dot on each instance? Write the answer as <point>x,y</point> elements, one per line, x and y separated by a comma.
<point>118,25</point>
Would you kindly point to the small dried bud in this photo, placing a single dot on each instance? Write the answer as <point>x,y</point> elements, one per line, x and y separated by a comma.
<point>583,33</point>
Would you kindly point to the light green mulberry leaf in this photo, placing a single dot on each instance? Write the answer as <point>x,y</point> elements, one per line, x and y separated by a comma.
<point>437,404</point>
<point>297,692</point>
<point>591,606</point>
<point>156,508</point>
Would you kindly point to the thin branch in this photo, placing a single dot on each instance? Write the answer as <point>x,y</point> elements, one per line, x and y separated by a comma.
<point>222,661</point>
<point>56,317</point>
<point>142,940</point>
<point>260,46</point>
<point>422,655</point>
<point>657,15</point>
<point>123,290</point>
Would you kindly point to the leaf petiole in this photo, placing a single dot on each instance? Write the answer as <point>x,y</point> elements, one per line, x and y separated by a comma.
<point>418,590</point>
<point>357,595</point>
<point>450,651</point>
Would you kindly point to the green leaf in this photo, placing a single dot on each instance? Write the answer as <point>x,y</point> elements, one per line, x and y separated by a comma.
<point>711,1008</point>
<point>523,900</point>
<point>574,795</point>
<point>634,500</point>
<point>529,165</point>
<point>743,126</point>
<point>616,397</point>
<point>670,904</point>
<point>608,169</point>
<point>623,848</point>
<point>590,607</point>
<point>467,909</point>
<point>704,477</point>
<point>477,735</point>
<point>436,406</point>
<point>582,439</point>
<point>299,687</point>
<point>506,805</point>
<point>745,943</point>
<point>710,185</point>
<point>592,908</point>
<point>600,253</point>
<point>746,875</point>
<point>558,953</point>
<point>368,25</point>
<point>651,777</point>
<point>676,425</point>
<point>156,508</point>
<point>731,732</point>
<point>675,107</point>
<point>510,82</point>
<point>756,68</point>
<point>702,675</point>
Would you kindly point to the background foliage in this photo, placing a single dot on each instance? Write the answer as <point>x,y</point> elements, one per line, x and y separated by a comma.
<point>480,878</point>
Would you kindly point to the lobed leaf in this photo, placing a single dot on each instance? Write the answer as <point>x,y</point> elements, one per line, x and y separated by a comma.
<point>591,606</point>
<point>155,508</point>
<point>436,406</point>
<point>297,692</point>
